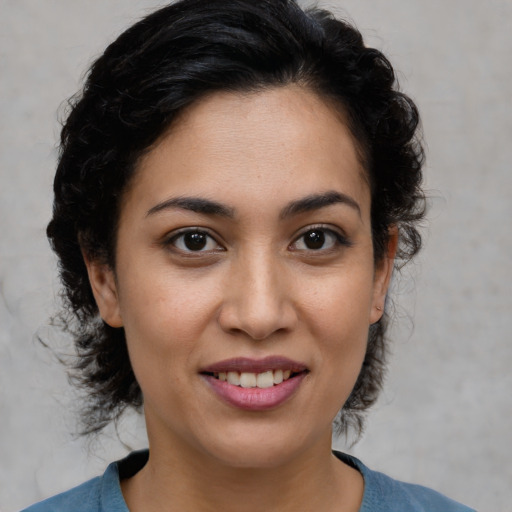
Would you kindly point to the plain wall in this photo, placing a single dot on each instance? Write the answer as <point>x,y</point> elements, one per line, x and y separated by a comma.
<point>445,417</point>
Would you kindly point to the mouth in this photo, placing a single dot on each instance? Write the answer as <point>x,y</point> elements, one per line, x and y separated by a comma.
<point>255,384</point>
<point>262,380</point>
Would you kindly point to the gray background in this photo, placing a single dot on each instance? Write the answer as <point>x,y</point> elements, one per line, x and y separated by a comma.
<point>445,418</point>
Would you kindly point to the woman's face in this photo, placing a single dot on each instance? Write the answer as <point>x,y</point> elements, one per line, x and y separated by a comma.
<point>244,258</point>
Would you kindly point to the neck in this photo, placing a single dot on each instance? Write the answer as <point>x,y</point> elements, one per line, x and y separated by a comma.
<point>179,479</point>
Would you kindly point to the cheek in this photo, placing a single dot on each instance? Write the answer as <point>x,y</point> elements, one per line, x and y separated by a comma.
<point>339,302</point>
<point>337,313</point>
<point>164,305</point>
<point>164,316</point>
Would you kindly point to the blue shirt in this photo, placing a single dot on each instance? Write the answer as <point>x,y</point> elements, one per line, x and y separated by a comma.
<point>381,493</point>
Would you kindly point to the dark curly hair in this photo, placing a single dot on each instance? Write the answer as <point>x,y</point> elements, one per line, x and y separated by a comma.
<point>138,87</point>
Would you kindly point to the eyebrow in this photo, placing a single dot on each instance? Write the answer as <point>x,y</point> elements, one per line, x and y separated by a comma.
<point>317,201</point>
<point>209,207</point>
<point>194,204</point>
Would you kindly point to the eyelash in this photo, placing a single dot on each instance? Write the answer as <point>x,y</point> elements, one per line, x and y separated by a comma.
<point>337,239</point>
<point>175,237</point>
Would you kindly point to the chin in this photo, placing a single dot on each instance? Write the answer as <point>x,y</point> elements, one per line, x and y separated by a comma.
<point>254,457</point>
<point>261,449</point>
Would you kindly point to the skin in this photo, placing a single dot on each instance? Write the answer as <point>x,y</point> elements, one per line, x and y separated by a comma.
<point>256,290</point>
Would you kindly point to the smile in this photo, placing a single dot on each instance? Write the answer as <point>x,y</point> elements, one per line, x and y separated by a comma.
<point>255,385</point>
<point>254,380</point>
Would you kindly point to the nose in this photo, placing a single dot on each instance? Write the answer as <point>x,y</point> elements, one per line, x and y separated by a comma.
<point>258,299</point>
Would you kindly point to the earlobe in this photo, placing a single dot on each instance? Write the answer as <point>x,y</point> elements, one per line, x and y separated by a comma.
<point>383,273</point>
<point>104,288</point>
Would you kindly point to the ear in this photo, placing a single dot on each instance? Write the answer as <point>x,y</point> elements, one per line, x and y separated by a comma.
<point>104,288</point>
<point>383,272</point>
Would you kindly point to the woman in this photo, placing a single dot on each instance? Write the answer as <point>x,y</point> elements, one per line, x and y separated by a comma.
<point>236,183</point>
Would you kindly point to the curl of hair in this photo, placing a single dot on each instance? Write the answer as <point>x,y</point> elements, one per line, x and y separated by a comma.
<point>150,74</point>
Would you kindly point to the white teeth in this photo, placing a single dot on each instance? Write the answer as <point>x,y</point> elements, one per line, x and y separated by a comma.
<point>278,376</point>
<point>252,380</point>
<point>234,378</point>
<point>248,380</point>
<point>265,379</point>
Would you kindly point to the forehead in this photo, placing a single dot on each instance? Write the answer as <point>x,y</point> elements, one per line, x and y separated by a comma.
<point>282,142</point>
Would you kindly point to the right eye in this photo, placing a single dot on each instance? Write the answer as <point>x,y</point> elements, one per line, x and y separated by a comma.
<point>194,240</point>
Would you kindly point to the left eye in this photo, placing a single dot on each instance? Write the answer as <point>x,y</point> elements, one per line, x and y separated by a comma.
<point>194,241</point>
<point>316,239</point>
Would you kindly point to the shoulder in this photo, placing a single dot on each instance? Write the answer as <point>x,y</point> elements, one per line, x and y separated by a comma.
<point>84,498</point>
<point>382,493</point>
<point>101,494</point>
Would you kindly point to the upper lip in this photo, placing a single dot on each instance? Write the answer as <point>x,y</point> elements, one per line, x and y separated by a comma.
<point>248,365</point>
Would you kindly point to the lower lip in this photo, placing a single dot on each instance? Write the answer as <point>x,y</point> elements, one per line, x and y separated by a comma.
<point>256,399</point>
